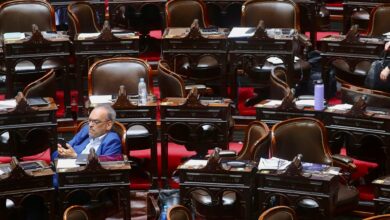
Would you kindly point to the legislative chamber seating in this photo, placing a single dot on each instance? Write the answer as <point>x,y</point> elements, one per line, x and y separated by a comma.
<point>288,12</point>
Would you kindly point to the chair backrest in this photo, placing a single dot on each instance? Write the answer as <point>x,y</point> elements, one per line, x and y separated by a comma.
<point>76,212</point>
<point>181,13</point>
<point>379,217</point>
<point>278,80</point>
<point>117,127</point>
<point>350,94</point>
<point>179,212</point>
<point>42,87</point>
<point>275,14</point>
<point>256,143</point>
<point>107,75</point>
<point>20,15</point>
<point>278,213</point>
<point>82,18</point>
<point>306,136</point>
<point>379,18</point>
<point>170,83</point>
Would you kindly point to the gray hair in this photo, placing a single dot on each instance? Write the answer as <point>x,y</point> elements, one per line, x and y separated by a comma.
<point>111,114</point>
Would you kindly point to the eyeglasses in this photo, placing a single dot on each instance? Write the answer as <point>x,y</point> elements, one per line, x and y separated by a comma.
<point>95,122</point>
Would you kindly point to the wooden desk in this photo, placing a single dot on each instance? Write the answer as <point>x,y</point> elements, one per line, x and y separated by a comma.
<point>178,43</point>
<point>352,51</point>
<point>36,49</point>
<point>247,52</point>
<point>218,179</point>
<point>95,179</point>
<point>178,115</point>
<point>338,124</point>
<point>227,13</point>
<point>18,184</point>
<point>322,188</point>
<point>30,132</point>
<point>350,5</point>
<point>89,48</point>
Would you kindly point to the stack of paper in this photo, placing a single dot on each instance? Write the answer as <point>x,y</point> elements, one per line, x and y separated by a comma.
<point>273,163</point>
<point>66,163</point>
<point>7,104</point>
<point>14,36</point>
<point>238,32</point>
<point>100,99</point>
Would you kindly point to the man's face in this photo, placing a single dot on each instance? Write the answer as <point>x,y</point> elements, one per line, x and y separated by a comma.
<point>98,122</point>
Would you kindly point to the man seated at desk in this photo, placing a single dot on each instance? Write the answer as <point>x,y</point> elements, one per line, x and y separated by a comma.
<point>378,77</point>
<point>97,135</point>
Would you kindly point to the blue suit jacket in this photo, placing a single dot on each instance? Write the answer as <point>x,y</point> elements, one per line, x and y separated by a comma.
<point>110,145</point>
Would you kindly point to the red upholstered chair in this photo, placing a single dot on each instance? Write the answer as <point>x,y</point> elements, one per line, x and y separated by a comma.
<point>278,213</point>
<point>308,136</point>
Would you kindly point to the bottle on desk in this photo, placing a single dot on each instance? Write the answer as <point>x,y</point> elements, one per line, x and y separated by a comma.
<point>142,92</point>
<point>319,95</point>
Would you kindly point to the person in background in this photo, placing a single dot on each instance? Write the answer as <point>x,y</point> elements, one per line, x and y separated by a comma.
<point>378,76</point>
<point>97,135</point>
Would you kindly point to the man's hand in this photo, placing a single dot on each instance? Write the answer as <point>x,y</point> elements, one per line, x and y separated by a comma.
<point>387,45</point>
<point>384,74</point>
<point>66,153</point>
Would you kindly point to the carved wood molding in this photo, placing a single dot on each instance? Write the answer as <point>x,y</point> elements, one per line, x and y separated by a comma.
<point>36,37</point>
<point>22,107</point>
<point>106,33</point>
<point>194,31</point>
<point>260,32</point>
<point>122,101</point>
<point>193,100</point>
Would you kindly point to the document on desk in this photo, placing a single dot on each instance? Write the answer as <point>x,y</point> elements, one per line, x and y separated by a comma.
<point>7,104</point>
<point>341,107</point>
<point>270,103</point>
<point>100,99</point>
<point>238,32</point>
<point>66,163</point>
<point>273,163</point>
<point>194,164</point>
<point>86,36</point>
<point>13,36</point>
<point>305,103</point>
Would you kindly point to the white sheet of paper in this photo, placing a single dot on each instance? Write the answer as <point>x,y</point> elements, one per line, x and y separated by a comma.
<point>242,32</point>
<point>275,60</point>
<point>196,163</point>
<point>7,104</point>
<point>83,36</point>
<point>100,99</point>
<point>305,102</point>
<point>342,107</point>
<point>273,163</point>
<point>14,36</point>
<point>273,103</point>
<point>66,163</point>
